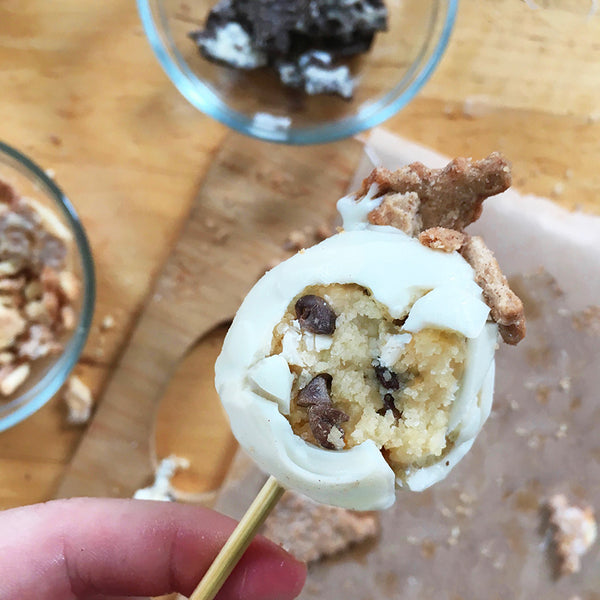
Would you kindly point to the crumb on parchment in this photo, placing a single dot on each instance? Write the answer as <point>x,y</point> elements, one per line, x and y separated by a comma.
<point>574,531</point>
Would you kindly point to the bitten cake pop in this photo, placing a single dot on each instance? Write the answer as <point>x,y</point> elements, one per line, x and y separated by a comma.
<point>366,363</point>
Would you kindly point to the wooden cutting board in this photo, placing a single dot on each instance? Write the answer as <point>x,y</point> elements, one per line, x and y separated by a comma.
<point>253,196</point>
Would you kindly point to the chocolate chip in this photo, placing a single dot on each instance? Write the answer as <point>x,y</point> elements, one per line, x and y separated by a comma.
<point>322,418</point>
<point>315,315</point>
<point>316,392</point>
<point>388,404</point>
<point>387,377</point>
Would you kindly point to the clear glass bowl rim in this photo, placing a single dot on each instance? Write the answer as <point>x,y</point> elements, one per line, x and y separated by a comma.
<point>200,96</point>
<point>34,398</point>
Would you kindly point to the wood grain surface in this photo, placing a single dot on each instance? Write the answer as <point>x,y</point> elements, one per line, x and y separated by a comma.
<point>237,226</point>
<point>83,95</point>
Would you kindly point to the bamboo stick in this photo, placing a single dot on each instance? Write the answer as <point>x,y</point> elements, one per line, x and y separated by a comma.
<point>239,540</point>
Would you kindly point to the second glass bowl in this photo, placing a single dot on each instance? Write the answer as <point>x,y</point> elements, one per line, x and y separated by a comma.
<point>256,104</point>
<point>48,374</point>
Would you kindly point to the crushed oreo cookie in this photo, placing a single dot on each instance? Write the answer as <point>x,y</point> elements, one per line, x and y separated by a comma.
<point>323,417</point>
<point>315,73</point>
<point>301,39</point>
<point>315,315</point>
<point>389,404</point>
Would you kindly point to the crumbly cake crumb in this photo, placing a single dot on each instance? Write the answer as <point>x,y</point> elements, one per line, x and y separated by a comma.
<point>312,531</point>
<point>574,530</point>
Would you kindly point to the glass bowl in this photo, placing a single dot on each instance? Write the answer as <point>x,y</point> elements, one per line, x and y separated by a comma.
<point>48,374</point>
<point>254,102</point>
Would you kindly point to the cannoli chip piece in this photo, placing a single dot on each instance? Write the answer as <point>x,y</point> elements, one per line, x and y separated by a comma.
<point>400,211</point>
<point>505,306</point>
<point>451,197</point>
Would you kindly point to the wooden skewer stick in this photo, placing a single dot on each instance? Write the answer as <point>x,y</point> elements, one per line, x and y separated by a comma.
<point>238,541</point>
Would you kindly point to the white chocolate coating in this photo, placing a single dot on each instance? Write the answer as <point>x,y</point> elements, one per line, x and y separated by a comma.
<point>398,271</point>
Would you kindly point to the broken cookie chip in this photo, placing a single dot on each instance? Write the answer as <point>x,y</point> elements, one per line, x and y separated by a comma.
<point>366,363</point>
<point>442,203</point>
<point>39,292</point>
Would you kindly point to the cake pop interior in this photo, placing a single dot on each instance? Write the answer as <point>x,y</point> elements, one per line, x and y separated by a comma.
<point>388,385</point>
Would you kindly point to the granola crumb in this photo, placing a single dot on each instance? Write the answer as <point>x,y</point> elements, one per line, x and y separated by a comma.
<point>574,532</point>
<point>79,401</point>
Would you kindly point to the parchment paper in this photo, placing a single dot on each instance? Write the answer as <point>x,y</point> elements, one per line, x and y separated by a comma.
<point>480,534</point>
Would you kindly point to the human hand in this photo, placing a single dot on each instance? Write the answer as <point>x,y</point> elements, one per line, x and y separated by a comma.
<point>85,548</point>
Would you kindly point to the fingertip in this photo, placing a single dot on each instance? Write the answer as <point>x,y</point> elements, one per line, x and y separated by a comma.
<point>265,574</point>
<point>298,578</point>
